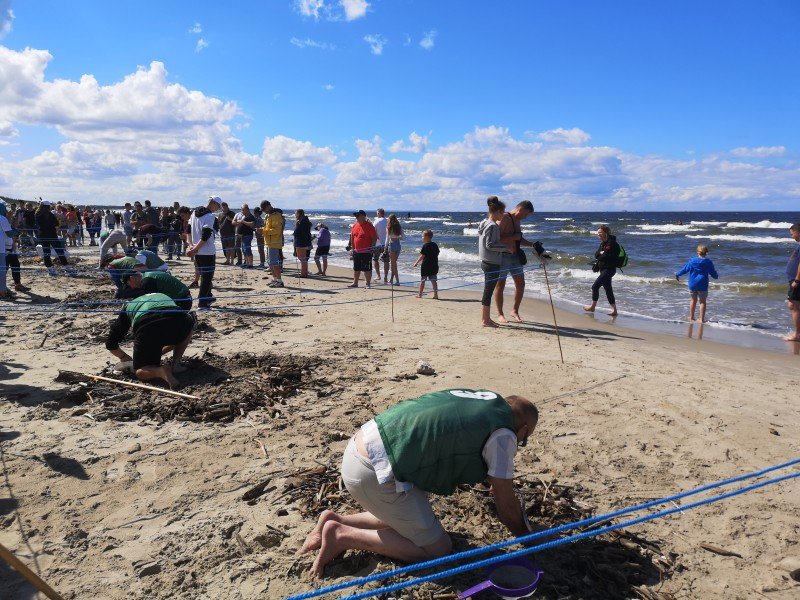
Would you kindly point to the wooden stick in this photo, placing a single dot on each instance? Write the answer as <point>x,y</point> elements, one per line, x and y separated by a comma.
<point>140,386</point>
<point>552,306</point>
<point>32,577</point>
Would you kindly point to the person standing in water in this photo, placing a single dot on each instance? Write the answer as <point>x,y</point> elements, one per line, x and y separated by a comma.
<point>606,263</point>
<point>698,268</point>
<point>793,275</point>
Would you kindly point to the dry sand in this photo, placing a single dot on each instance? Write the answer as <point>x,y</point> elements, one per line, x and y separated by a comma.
<point>148,502</point>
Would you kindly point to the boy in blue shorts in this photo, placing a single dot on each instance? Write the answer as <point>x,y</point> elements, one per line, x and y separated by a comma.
<point>698,268</point>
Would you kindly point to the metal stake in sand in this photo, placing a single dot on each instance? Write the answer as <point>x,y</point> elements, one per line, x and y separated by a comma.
<point>553,308</point>
<point>21,568</point>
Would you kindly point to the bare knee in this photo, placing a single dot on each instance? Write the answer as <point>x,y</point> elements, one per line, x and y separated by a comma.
<point>441,547</point>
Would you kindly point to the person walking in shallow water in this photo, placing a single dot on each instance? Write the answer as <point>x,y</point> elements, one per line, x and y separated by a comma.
<point>793,275</point>
<point>699,269</point>
<point>606,263</point>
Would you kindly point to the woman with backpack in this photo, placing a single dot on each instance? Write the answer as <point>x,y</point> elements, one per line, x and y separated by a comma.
<point>605,263</point>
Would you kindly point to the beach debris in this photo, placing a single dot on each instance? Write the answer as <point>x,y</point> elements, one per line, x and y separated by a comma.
<point>424,368</point>
<point>720,551</point>
<point>145,568</point>
<point>255,491</point>
<point>216,389</point>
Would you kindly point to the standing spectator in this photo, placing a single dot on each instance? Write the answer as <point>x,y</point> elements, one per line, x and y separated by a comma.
<point>394,233</point>
<point>363,239</point>
<point>47,224</point>
<point>11,256</point>
<point>793,275</point>
<point>606,264</point>
<point>203,248</point>
<point>227,233</point>
<point>323,248</point>
<point>29,225</point>
<point>302,240</point>
<point>511,235</point>
<point>245,223</point>
<point>165,220</point>
<point>259,226</point>
<point>5,234</point>
<point>61,217</point>
<point>151,214</point>
<point>184,213</point>
<point>429,257</point>
<point>380,228</point>
<point>491,251</point>
<point>127,227</point>
<point>111,220</point>
<point>73,225</point>
<point>138,219</point>
<point>273,240</point>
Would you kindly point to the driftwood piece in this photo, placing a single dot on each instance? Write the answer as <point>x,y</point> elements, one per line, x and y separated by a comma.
<point>72,374</point>
<point>720,551</point>
<point>255,491</point>
<point>21,568</point>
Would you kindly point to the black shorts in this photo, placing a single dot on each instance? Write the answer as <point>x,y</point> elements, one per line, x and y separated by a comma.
<point>322,251</point>
<point>794,293</point>
<point>150,337</point>
<point>362,261</point>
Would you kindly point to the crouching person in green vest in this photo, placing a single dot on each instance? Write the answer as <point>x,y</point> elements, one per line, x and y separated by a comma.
<point>137,284</point>
<point>426,445</point>
<point>159,325</point>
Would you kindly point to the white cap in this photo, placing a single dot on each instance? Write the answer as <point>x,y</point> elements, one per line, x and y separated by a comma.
<point>46,203</point>
<point>216,199</point>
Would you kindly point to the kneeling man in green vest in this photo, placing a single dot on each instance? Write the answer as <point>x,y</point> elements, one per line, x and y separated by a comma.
<point>426,445</point>
<point>159,326</point>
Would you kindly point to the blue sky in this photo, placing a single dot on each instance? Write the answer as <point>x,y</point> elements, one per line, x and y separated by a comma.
<point>410,104</point>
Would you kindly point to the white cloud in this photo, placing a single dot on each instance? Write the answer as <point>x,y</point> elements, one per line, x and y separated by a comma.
<point>201,45</point>
<point>284,154</point>
<point>354,9</point>
<point>328,87</point>
<point>427,41</point>
<point>309,43</point>
<point>408,40</point>
<point>196,28</point>
<point>759,152</point>
<point>6,18</point>
<point>417,144</point>
<point>572,136</point>
<point>376,43</point>
<point>311,8</point>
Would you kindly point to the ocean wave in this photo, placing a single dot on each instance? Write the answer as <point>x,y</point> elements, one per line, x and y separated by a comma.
<point>451,255</point>
<point>766,224</point>
<point>457,224</point>
<point>744,238</point>
<point>574,231</point>
<point>707,223</point>
<point>670,227</point>
<point>558,219</point>
<point>650,232</point>
<point>470,231</point>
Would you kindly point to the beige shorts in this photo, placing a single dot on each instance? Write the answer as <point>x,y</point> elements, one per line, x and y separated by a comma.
<point>409,513</point>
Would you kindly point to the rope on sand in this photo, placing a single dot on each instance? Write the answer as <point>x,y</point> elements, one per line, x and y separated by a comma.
<point>554,531</point>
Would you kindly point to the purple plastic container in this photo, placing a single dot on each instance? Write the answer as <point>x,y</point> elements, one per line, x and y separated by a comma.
<point>513,578</point>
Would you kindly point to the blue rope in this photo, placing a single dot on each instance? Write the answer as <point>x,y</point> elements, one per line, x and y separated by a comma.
<point>547,533</point>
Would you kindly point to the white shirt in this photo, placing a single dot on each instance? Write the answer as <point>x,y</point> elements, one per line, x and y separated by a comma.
<point>196,226</point>
<point>498,452</point>
<point>4,239</point>
<point>380,227</point>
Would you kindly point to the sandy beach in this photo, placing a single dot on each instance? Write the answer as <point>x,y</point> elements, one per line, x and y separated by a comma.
<point>113,493</point>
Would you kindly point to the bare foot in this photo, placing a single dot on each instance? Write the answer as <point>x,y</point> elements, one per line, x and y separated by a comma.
<point>435,297</point>
<point>501,319</point>
<point>791,338</point>
<point>515,316</point>
<point>490,323</point>
<point>419,295</point>
<point>173,383</point>
<point>612,314</point>
<point>179,368</point>
<point>314,539</point>
<point>588,308</point>
<point>352,285</point>
<point>329,549</point>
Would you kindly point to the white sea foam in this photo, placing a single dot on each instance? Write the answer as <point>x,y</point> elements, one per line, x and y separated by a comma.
<point>668,227</point>
<point>766,224</point>
<point>707,223</point>
<point>558,218</point>
<point>744,238</point>
<point>470,231</point>
<point>650,232</point>
<point>451,255</point>
<point>588,274</point>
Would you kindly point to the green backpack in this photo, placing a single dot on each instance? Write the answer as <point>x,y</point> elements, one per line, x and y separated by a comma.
<point>622,257</point>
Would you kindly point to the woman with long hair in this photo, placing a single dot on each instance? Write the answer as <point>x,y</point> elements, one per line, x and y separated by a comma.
<point>606,264</point>
<point>302,239</point>
<point>394,233</point>
<point>491,251</point>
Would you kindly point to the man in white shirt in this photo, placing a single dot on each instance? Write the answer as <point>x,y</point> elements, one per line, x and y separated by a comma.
<point>430,444</point>
<point>202,247</point>
<point>380,228</point>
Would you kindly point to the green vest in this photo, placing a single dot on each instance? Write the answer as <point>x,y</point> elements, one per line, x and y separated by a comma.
<point>435,441</point>
<point>152,261</point>
<point>126,263</point>
<point>140,306</point>
<point>167,284</point>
